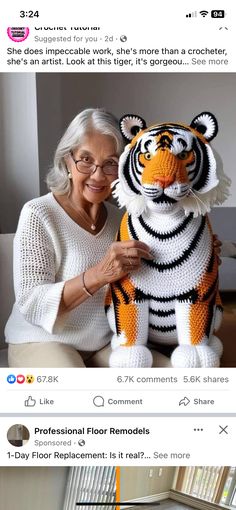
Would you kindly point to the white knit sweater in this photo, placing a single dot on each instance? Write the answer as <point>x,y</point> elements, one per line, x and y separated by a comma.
<point>49,249</point>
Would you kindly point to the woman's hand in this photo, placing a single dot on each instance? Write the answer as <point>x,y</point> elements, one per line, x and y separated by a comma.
<point>217,248</point>
<point>121,258</point>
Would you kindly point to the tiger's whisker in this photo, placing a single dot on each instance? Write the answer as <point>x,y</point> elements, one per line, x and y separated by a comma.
<point>191,192</point>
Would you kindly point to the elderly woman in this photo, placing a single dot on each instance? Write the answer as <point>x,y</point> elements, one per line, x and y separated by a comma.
<point>64,254</point>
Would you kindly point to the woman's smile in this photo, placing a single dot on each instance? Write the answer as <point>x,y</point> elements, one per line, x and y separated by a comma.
<point>95,188</point>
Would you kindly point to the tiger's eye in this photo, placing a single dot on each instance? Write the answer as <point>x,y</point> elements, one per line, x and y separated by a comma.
<point>147,155</point>
<point>183,155</point>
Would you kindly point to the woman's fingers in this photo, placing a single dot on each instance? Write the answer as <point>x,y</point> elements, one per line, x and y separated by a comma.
<point>133,244</point>
<point>137,253</point>
<point>132,264</point>
<point>217,248</point>
<point>121,258</point>
<point>217,243</point>
<point>135,249</point>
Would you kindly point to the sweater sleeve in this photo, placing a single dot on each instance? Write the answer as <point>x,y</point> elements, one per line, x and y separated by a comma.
<point>38,295</point>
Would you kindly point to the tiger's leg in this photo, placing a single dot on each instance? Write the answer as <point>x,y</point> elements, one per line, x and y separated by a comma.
<point>198,347</point>
<point>197,321</point>
<point>129,321</point>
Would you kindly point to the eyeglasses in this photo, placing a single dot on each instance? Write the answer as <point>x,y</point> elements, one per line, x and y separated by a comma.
<point>88,167</point>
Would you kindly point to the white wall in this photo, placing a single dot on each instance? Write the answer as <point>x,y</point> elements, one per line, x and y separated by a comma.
<point>19,175</point>
<point>50,126</point>
<point>37,488</point>
<point>135,482</point>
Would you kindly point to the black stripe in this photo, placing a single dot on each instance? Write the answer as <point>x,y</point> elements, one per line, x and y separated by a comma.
<point>147,143</point>
<point>204,177</point>
<point>118,238</point>
<point>133,234</point>
<point>191,297</point>
<point>185,255</point>
<point>128,178</point>
<point>116,308</point>
<point>193,173</point>
<point>167,235</point>
<point>176,262</point>
<point>162,313</point>
<point>139,172</point>
<point>125,296</point>
<point>173,128</point>
<point>133,168</point>
<point>162,329</point>
<point>164,199</point>
<point>212,289</point>
<point>134,162</point>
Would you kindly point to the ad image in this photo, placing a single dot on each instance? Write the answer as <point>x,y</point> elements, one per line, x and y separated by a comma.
<point>82,487</point>
<point>116,220</point>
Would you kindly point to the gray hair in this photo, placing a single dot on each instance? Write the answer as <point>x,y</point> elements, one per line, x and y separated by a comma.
<point>88,120</point>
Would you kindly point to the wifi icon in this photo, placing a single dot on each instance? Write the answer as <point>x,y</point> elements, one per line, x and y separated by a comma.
<point>204,13</point>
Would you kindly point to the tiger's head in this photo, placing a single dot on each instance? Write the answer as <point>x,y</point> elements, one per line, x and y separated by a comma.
<point>168,166</point>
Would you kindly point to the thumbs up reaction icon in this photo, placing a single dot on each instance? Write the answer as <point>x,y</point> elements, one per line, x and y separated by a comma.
<point>30,402</point>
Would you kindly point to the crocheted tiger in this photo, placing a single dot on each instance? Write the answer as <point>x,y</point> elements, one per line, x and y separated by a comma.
<point>168,180</point>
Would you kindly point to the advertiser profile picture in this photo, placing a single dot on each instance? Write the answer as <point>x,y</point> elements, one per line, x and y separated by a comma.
<point>18,435</point>
<point>18,34</point>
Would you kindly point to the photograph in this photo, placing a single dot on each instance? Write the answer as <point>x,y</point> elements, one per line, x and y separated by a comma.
<point>18,435</point>
<point>58,488</point>
<point>179,488</point>
<point>117,236</point>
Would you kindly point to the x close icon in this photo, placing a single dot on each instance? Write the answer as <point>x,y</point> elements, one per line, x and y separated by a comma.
<point>223,430</point>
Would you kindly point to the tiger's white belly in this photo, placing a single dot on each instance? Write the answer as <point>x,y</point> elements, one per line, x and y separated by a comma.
<point>164,285</point>
<point>186,272</point>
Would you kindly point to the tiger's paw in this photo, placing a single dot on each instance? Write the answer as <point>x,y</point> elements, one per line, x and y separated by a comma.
<point>191,356</point>
<point>137,356</point>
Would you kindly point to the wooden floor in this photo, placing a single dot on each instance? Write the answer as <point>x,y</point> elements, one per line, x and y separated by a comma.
<point>173,505</point>
<point>169,504</point>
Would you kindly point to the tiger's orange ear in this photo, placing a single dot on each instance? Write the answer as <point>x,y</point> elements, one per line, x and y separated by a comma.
<point>130,125</point>
<point>206,124</point>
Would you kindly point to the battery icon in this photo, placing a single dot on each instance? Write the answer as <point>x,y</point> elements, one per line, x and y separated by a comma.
<point>218,13</point>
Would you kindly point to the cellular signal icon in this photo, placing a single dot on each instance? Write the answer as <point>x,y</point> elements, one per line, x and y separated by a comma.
<point>204,13</point>
<point>191,14</point>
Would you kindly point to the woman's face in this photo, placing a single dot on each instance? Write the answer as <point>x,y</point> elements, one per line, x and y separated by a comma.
<point>95,149</point>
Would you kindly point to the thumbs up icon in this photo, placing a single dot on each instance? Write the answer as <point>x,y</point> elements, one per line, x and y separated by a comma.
<point>30,402</point>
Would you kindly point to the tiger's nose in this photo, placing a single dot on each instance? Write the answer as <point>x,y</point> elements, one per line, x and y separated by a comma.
<point>164,181</point>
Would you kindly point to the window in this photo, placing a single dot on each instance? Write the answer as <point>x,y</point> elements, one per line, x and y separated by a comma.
<point>215,484</point>
<point>229,492</point>
<point>90,484</point>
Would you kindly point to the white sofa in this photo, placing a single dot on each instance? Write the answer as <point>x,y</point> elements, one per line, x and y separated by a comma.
<point>6,289</point>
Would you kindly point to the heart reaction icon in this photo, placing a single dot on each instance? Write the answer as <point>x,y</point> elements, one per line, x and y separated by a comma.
<point>20,379</point>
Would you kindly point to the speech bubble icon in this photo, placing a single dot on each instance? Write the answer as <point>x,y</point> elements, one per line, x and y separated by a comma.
<point>98,401</point>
